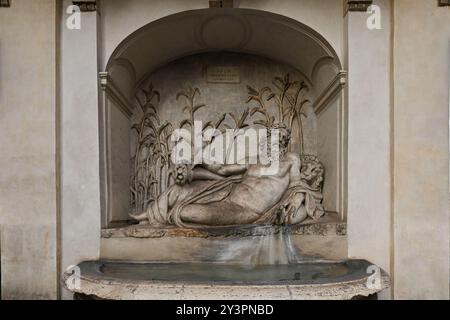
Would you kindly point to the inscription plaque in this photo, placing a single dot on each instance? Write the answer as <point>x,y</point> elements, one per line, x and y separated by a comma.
<point>223,75</point>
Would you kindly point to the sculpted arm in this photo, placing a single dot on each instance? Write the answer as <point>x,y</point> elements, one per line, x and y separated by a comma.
<point>185,174</point>
<point>201,173</point>
<point>225,170</point>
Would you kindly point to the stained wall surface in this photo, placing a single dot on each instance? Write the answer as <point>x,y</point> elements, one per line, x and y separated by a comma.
<point>28,150</point>
<point>421,99</point>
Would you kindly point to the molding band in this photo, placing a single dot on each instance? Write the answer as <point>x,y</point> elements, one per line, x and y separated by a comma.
<point>330,92</point>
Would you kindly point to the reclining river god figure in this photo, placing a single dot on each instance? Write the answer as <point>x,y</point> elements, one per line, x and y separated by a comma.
<point>232,195</point>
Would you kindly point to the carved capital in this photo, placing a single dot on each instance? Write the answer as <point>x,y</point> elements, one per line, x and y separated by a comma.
<point>221,4</point>
<point>358,5</point>
<point>113,92</point>
<point>330,92</point>
<point>86,6</point>
<point>5,3</point>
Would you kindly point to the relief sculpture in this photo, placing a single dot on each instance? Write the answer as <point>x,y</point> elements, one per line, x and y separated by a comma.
<point>284,190</point>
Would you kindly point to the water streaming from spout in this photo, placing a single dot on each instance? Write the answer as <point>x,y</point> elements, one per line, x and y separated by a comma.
<point>272,246</point>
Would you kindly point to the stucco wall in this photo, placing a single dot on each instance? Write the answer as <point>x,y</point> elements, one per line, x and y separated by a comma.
<point>421,122</point>
<point>28,192</point>
<point>369,157</point>
<point>79,140</point>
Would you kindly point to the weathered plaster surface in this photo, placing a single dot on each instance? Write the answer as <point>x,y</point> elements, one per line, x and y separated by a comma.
<point>369,167</point>
<point>28,205</point>
<point>421,122</point>
<point>80,195</point>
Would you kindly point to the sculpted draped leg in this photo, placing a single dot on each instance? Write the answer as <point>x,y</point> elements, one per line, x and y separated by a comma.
<point>168,208</point>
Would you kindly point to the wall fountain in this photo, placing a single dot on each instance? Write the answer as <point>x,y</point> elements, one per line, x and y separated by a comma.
<point>225,198</point>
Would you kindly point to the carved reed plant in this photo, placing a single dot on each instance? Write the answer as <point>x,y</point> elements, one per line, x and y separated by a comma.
<point>239,124</point>
<point>190,95</point>
<point>151,162</point>
<point>152,165</point>
<point>289,97</point>
<point>259,97</point>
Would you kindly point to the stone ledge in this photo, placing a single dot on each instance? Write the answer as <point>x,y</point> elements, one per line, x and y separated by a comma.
<point>329,225</point>
<point>112,290</point>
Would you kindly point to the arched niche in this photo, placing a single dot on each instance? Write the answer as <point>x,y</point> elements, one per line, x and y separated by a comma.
<point>240,31</point>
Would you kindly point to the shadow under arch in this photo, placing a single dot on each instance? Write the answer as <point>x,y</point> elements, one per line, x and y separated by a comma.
<point>250,31</point>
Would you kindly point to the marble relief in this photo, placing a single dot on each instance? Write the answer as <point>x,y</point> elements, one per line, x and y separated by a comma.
<point>279,184</point>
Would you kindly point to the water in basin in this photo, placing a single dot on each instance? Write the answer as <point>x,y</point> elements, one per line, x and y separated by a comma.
<point>300,273</point>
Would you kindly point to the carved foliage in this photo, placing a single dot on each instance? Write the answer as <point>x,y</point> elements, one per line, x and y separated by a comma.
<point>289,98</point>
<point>151,162</point>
